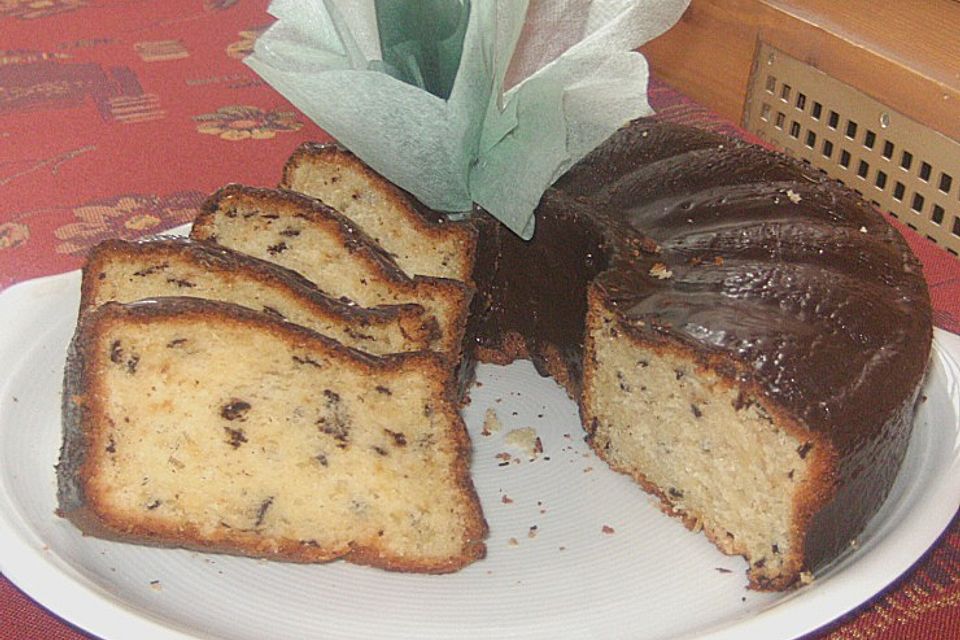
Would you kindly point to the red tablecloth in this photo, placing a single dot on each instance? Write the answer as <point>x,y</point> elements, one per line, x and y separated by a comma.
<point>118,118</point>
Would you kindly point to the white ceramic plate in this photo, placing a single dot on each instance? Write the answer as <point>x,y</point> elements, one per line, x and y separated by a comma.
<point>602,561</point>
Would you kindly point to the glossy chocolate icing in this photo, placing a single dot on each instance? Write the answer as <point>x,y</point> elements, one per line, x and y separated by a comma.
<point>806,293</point>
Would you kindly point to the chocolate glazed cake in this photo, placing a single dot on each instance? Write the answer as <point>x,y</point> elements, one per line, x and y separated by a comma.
<point>746,338</point>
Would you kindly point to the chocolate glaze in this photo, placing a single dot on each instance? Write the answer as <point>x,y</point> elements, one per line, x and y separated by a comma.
<point>811,298</point>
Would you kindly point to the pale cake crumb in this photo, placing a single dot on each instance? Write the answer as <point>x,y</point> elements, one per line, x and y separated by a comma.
<point>491,423</point>
<point>526,440</point>
<point>660,271</point>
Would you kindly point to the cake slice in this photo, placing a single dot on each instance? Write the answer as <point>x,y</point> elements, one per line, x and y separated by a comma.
<point>309,237</point>
<point>206,425</point>
<point>420,246</point>
<point>710,445</point>
<point>129,271</point>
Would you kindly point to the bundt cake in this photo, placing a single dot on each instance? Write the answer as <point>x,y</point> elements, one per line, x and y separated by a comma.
<point>330,250</point>
<point>207,425</point>
<point>129,271</point>
<point>744,337</point>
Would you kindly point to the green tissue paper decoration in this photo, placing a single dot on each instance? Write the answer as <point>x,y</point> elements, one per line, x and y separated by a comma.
<point>466,101</point>
<point>421,42</point>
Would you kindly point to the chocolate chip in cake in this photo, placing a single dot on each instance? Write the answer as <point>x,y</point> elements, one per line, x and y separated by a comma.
<point>307,360</point>
<point>804,449</point>
<point>290,232</point>
<point>741,402</point>
<point>675,493</point>
<point>118,356</point>
<point>153,505</point>
<point>697,412</point>
<point>322,459</point>
<point>235,410</point>
<point>399,439</point>
<point>181,282</point>
<point>176,342</point>
<point>382,389</point>
<point>379,450</point>
<point>236,437</point>
<point>116,352</point>
<point>111,445</point>
<point>356,335</point>
<point>262,511</point>
<point>152,269</point>
<point>334,421</point>
<point>278,248</point>
<point>270,311</point>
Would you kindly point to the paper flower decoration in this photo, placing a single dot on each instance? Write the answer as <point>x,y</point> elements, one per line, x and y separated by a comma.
<point>537,85</point>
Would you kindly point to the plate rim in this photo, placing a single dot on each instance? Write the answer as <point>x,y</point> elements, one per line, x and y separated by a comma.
<point>39,572</point>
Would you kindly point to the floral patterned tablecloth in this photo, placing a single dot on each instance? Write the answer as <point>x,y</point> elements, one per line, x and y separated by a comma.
<point>118,117</point>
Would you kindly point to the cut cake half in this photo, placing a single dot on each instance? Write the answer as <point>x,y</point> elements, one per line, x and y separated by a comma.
<point>206,425</point>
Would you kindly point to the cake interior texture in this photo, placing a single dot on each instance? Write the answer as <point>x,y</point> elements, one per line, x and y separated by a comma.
<point>419,246</point>
<point>305,236</point>
<point>127,272</point>
<point>715,457</point>
<point>215,429</point>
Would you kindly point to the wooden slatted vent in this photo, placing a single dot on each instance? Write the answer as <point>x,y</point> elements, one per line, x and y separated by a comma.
<point>903,167</point>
